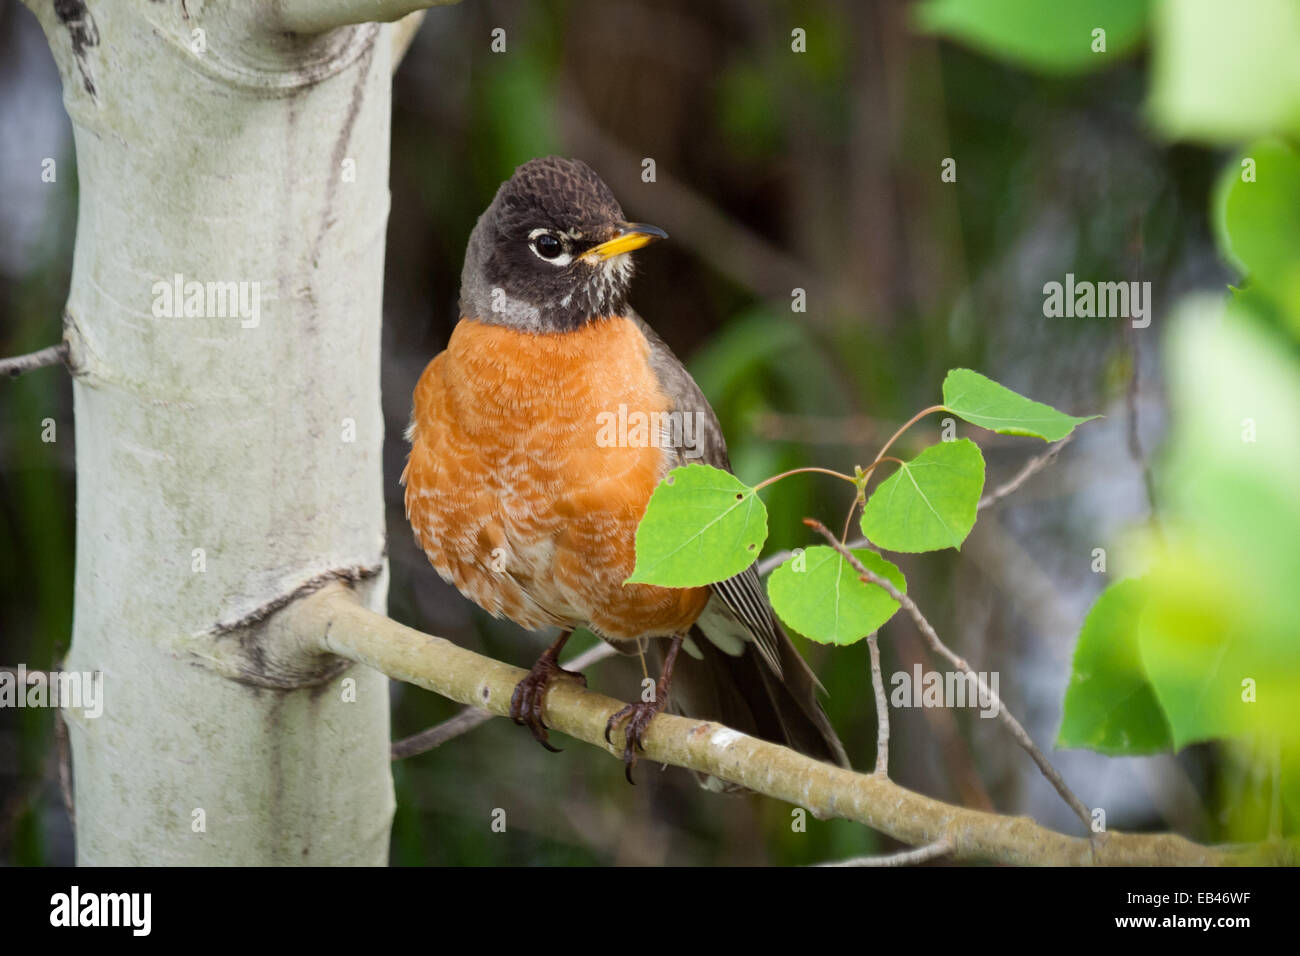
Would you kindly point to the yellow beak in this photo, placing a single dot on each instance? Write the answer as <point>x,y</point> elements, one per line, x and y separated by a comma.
<point>630,235</point>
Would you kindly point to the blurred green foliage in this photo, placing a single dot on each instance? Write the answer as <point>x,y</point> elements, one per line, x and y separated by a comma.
<point>1257,220</point>
<point>1110,705</point>
<point>1223,74</point>
<point>1204,645</point>
<point>1052,37</point>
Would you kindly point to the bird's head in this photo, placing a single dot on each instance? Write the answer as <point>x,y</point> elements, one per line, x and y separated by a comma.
<point>551,251</point>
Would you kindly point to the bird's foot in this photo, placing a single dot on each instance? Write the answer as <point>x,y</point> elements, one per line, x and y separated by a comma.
<point>526,701</point>
<point>638,717</point>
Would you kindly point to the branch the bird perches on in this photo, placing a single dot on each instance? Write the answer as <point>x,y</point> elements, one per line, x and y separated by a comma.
<point>332,620</point>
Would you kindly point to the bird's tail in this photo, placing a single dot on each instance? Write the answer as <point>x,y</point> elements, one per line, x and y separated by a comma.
<point>745,693</point>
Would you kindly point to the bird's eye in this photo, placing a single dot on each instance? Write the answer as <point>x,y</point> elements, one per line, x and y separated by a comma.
<point>547,246</point>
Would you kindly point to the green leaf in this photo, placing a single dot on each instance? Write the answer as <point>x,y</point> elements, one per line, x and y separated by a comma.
<point>1224,72</point>
<point>1218,632</point>
<point>701,525</point>
<point>1257,221</point>
<point>930,502</point>
<point>1052,37</point>
<point>820,595</point>
<point>1110,706</point>
<point>983,402</point>
<point>1199,656</point>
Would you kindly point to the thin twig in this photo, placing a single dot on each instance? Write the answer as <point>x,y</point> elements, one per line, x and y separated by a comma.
<point>29,674</point>
<point>956,749</point>
<point>464,721</point>
<point>1017,731</point>
<point>778,558</point>
<point>882,709</point>
<point>54,355</point>
<point>468,718</point>
<point>774,561</point>
<point>1032,467</point>
<point>64,752</point>
<point>1131,397</point>
<point>921,854</point>
<point>28,789</point>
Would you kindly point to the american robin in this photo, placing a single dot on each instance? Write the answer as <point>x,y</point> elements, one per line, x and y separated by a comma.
<point>518,496</point>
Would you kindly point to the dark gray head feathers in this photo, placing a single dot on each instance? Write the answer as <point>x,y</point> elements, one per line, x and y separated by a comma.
<point>524,266</point>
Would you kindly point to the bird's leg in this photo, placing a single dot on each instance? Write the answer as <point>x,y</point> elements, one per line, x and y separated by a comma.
<point>526,701</point>
<point>641,713</point>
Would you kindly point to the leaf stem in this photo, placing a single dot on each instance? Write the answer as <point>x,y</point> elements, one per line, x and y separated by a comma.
<point>906,425</point>
<point>858,480</point>
<point>796,471</point>
<point>858,499</point>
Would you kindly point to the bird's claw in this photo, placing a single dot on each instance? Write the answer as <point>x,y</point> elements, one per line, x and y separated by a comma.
<point>526,701</point>
<point>638,718</point>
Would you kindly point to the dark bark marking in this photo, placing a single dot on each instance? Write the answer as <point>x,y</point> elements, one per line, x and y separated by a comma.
<point>83,34</point>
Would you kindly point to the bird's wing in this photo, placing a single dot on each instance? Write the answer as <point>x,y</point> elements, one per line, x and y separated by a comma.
<point>739,608</point>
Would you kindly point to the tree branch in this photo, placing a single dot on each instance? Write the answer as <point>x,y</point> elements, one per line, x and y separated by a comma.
<point>54,355</point>
<point>469,718</point>
<point>317,16</point>
<point>403,34</point>
<point>332,620</point>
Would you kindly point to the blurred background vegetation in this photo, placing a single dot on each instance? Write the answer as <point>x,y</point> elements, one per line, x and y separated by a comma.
<point>775,170</point>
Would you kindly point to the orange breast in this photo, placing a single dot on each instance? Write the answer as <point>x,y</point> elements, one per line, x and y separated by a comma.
<point>515,491</point>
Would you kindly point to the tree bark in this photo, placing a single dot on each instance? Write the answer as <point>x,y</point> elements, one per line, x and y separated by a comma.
<point>225,462</point>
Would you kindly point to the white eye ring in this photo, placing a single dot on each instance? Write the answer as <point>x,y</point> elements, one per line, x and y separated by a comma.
<point>563,259</point>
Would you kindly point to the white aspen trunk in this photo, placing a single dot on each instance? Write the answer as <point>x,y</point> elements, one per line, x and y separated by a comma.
<point>225,463</point>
